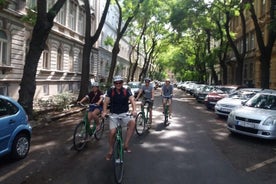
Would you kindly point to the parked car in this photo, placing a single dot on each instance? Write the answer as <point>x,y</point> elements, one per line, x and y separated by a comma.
<point>219,92</point>
<point>15,130</point>
<point>134,86</point>
<point>257,117</point>
<point>203,92</point>
<point>224,106</point>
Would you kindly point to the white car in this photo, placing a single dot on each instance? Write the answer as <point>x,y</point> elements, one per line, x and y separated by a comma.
<point>224,106</point>
<point>257,117</point>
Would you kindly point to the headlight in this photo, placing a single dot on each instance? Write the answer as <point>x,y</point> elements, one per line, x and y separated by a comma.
<point>271,121</point>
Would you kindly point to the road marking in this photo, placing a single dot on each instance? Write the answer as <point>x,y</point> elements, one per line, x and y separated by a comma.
<point>262,164</point>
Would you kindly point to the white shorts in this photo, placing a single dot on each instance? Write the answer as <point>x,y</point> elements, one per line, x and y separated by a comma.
<point>118,119</point>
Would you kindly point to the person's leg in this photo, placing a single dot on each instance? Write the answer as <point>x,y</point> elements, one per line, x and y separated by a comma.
<point>164,103</point>
<point>129,133</point>
<point>111,139</point>
<point>95,116</point>
<point>170,106</point>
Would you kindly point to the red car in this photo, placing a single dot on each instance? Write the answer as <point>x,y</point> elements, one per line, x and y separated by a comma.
<point>218,93</point>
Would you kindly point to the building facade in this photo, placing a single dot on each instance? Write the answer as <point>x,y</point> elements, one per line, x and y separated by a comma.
<point>59,68</point>
<point>251,66</point>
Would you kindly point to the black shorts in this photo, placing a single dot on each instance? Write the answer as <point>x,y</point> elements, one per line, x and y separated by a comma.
<point>149,101</point>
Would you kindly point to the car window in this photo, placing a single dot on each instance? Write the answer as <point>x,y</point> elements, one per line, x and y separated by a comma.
<point>7,108</point>
<point>263,101</point>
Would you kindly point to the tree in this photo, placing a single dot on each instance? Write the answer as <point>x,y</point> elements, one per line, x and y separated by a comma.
<point>128,13</point>
<point>40,33</point>
<point>265,49</point>
<point>89,42</point>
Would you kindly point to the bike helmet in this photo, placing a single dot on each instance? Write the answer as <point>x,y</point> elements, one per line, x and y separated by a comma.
<point>147,79</point>
<point>94,84</point>
<point>117,78</point>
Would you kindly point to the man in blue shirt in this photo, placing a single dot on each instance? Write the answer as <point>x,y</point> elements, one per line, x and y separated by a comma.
<point>119,98</point>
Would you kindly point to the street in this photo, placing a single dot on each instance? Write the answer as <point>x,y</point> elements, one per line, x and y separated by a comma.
<point>195,148</point>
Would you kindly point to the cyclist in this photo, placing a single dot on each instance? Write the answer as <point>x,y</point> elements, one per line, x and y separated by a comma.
<point>148,95</point>
<point>95,98</point>
<point>167,93</point>
<point>119,98</point>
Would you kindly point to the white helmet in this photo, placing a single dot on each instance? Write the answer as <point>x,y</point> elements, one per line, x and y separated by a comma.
<point>118,78</point>
<point>96,84</point>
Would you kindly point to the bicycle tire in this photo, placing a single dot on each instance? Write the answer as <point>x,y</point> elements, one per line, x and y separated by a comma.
<point>139,124</point>
<point>166,115</point>
<point>98,134</point>
<point>118,161</point>
<point>80,136</point>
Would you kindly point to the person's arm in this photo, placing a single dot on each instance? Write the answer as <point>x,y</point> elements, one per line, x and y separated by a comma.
<point>152,94</point>
<point>100,100</point>
<point>133,104</point>
<point>84,99</point>
<point>138,96</point>
<point>106,102</point>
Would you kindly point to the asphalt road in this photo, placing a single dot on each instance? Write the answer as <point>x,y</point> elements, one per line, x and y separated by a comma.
<point>195,148</point>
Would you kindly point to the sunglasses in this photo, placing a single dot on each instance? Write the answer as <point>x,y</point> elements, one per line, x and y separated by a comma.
<point>117,83</point>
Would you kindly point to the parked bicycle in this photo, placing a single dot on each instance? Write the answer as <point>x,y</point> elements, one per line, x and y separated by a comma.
<point>118,149</point>
<point>142,122</point>
<point>84,132</point>
<point>166,110</point>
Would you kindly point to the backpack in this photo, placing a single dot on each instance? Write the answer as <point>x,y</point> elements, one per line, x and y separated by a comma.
<point>124,92</point>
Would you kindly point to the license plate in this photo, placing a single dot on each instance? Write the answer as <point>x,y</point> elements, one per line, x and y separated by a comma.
<point>246,124</point>
<point>225,109</point>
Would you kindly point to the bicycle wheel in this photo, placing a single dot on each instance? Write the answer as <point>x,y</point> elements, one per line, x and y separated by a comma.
<point>166,115</point>
<point>80,136</point>
<point>118,160</point>
<point>139,123</point>
<point>98,134</point>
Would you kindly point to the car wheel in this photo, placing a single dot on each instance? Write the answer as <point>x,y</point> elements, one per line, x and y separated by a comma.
<point>20,146</point>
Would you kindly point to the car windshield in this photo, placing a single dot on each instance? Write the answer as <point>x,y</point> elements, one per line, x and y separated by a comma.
<point>263,101</point>
<point>134,85</point>
<point>243,95</point>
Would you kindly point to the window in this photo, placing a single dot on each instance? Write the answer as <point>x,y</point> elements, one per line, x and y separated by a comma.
<point>46,58</point>
<point>72,15</point>
<point>4,90</point>
<point>31,4</point>
<point>59,59</point>
<point>80,62</point>
<point>7,108</point>
<point>71,61</point>
<point>59,88</point>
<point>81,23</point>
<point>46,89</point>
<point>61,16</point>
<point>3,48</point>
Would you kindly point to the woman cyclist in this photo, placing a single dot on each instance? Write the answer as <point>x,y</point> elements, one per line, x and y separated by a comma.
<point>167,93</point>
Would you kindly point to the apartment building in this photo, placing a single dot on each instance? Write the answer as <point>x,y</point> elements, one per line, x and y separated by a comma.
<point>59,68</point>
<point>251,66</point>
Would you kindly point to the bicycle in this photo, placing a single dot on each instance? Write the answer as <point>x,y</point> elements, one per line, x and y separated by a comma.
<point>142,118</point>
<point>118,149</point>
<point>84,132</point>
<point>166,109</point>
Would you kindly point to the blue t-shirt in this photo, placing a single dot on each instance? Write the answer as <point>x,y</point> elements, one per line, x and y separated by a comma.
<point>147,91</point>
<point>167,90</point>
<point>119,101</point>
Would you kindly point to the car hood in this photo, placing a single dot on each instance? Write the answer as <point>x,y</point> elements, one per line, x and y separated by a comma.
<point>230,101</point>
<point>253,113</point>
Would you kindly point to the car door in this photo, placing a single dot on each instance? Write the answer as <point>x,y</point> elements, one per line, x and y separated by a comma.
<point>7,123</point>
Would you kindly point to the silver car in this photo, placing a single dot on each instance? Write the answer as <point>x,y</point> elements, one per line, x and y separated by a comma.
<point>257,117</point>
<point>224,106</point>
